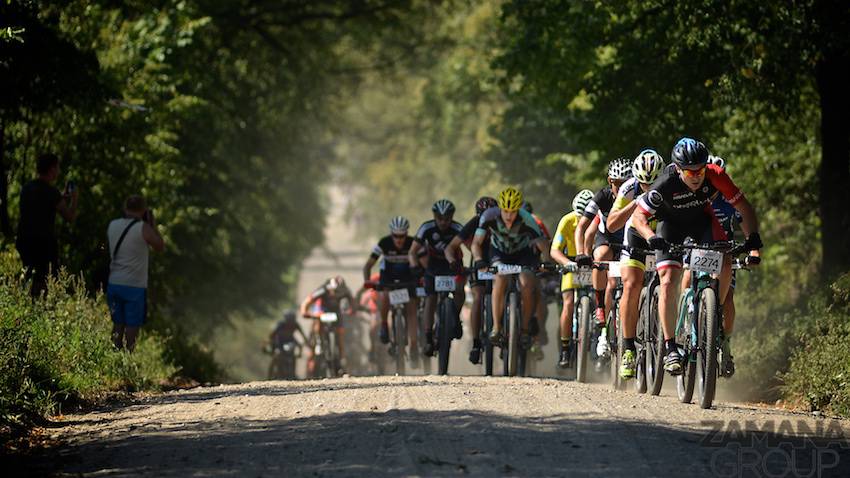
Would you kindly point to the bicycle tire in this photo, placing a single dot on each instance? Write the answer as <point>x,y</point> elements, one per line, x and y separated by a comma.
<point>615,339</point>
<point>330,355</point>
<point>487,315</point>
<point>655,353</point>
<point>513,335</point>
<point>684,329</point>
<point>444,337</point>
<point>583,339</point>
<point>399,337</point>
<point>707,356</point>
<point>640,343</point>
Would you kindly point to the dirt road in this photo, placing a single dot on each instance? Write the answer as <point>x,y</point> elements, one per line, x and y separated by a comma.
<point>443,426</point>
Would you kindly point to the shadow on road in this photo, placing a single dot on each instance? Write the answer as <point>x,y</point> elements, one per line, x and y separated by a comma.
<point>411,442</point>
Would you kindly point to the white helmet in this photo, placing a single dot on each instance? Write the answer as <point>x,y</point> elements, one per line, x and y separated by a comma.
<point>399,225</point>
<point>647,166</point>
<point>619,169</point>
<point>580,201</point>
<point>717,161</point>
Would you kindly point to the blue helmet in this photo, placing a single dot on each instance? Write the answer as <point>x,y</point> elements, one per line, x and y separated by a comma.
<point>689,152</point>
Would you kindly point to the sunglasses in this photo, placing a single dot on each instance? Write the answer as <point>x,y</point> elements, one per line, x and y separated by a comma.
<point>693,173</point>
<point>617,183</point>
<point>399,236</point>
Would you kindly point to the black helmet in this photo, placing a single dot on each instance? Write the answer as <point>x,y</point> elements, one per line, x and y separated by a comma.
<point>443,207</point>
<point>484,203</point>
<point>689,152</point>
<point>288,315</point>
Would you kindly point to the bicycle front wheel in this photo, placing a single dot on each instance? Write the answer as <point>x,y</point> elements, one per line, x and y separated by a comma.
<point>445,330</point>
<point>399,339</point>
<point>487,316</point>
<point>583,339</point>
<point>707,352</point>
<point>514,319</point>
<point>641,342</point>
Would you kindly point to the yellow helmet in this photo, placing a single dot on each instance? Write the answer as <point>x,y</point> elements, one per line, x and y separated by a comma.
<point>510,199</point>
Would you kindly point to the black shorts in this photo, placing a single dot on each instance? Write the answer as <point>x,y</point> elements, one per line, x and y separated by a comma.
<point>388,277</point>
<point>607,240</point>
<point>526,257</point>
<point>705,231</point>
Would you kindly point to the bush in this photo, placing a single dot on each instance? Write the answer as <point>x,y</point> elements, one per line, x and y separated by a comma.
<point>58,349</point>
<point>819,372</point>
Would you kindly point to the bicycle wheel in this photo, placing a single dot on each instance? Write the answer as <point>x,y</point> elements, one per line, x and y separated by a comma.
<point>640,344</point>
<point>655,350</point>
<point>513,335</point>
<point>399,339</point>
<point>685,336</point>
<point>615,339</point>
<point>487,316</point>
<point>331,355</point>
<point>583,339</point>
<point>445,329</point>
<point>707,351</point>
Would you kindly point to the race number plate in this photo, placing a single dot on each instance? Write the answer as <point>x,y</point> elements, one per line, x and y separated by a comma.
<point>485,276</point>
<point>444,283</point>
<point>399,296</point>
<point>328,317</point>
<point>710,262</point>
<point>650,262</point>
<point>509,269</point>
<point>420,292</point>
<point>614,269</point>
<point>583,277</point>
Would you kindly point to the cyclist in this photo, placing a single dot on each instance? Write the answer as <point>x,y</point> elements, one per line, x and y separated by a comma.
<point>563,251</point>
<point>329,297</point>
<point>681,201</point>
<point>367,300</point>
<point>515,238</point>
<point>646,168</point>
<point>538,320</point>
<point>728,217</point>
<point>435,235</point>
<point>597,209</point>
<point>394,267</point>
<point>479,288</point>
<point>283,333</point>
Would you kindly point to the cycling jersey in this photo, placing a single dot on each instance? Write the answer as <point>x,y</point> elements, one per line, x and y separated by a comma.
<point>726,214</point>
<point>565,241</point>
<point>601,205</point>
<point>394,264</point>
<point>436,241</point>
<point>543,229</point>
<point>330,300</point>
<point>284,331</point>
<point>522,234</point>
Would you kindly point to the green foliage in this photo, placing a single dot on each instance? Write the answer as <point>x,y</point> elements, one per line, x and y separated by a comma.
<point>820,367</point>
<point>59,349</point>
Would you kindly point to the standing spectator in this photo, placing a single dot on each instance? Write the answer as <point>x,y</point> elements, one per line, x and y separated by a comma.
<point>40,201</point>
<point>129,240</point>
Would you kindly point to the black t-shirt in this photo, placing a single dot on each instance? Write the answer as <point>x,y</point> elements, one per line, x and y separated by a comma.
<point>601,204</point>
<point>394,260</point>
<point>436,240</point>
<point>467,234</point>
<point>38,211</point>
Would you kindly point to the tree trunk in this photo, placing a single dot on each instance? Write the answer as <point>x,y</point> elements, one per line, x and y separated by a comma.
<point>833,77</point>
<point>5,223</point>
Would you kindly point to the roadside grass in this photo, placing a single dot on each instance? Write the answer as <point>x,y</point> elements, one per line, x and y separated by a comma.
<point>58,350</point>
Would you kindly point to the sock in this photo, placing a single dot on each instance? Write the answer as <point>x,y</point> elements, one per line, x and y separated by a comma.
<point>600,298</point>
<point>476,343</point>
<point>629,344</point>
<point>670,345</point>
<point>565,342</point>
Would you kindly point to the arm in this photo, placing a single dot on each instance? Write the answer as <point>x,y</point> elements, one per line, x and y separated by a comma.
<point>413,254</point>
<point>640,221</point>
<point>305,305</point>
<point>367,268</point>
<point>618,216</point>
<point>583,222</point>
<point>151,235</point>
<point>452,249</point>
<point>749,220</point>
<point>543,246</point>
<point>477,250</point>
<point>590,235</point>
<point>68,209</point>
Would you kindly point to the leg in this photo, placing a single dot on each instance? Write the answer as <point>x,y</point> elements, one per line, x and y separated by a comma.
<point>340,342</point>
<point>430,306</point>
<point>632,284</point>
<point>600,283</point>
<point>729,313</point>
<point>118,335</point>
<point>412,324</point>
<point>131,333</point>
<point>500,284</point>
<point>566,321</point>
<point>668,298</point>
<point>528,289</point>
<point>475,312</point>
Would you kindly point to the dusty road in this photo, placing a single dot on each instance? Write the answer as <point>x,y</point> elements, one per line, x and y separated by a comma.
<point>442,426</point>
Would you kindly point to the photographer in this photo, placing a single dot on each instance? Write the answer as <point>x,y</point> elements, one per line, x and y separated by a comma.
<point>39,203</point>
<point>126,292</point>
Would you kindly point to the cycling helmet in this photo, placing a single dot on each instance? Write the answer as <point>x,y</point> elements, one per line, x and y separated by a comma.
<point>288,315</point>
<point>336,282</point>
<point>580,201</point>
<point>717,161</point>
<point>510,199</point>
<point>399,225</point>
<point>620,169</point>
<point>647,166</point>
<point>689,152</point>
<point>527,206</point>
<point>484,203</point>
<point>443,207</point>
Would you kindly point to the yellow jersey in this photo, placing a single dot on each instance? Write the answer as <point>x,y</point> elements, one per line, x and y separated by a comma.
<point>565,240</point>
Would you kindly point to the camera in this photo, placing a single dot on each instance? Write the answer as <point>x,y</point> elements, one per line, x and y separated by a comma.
<point>72,186</point>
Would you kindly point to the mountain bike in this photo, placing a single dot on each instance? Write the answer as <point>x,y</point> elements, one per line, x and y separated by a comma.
<point>580,346</point>
<point>447,319</point>
<point>514,356</point>
<point>399,295</point>
<point>326,348</point>
<point>486,320</point>
<point>284,356</point>
<point>699,327</point>
<point>612,332</point>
